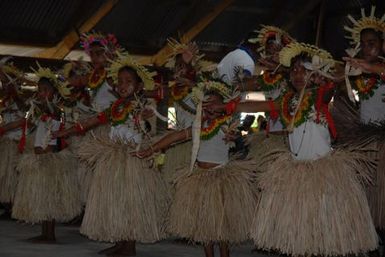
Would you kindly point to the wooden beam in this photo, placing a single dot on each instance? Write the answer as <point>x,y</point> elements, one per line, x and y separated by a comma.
<point>62,49</point>
<point>161,57</point>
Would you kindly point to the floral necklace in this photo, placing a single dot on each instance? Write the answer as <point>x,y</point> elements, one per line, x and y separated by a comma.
<point>120,111</point>
<point>96,79</point>
<point>366,86</point>
<point>290,100</point>
<point>269,81</point>
<point>210,131</point>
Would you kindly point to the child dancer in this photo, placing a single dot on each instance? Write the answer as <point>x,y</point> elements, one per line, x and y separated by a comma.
<point>312,201</point>
<point>47,190</point>
<point>12,109</point>
<point>213,201</point>
<point>127,201</point>
<point>368,131</point>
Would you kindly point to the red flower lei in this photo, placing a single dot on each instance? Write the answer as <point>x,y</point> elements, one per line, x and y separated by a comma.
<point>210,131</point>
<point>120,111</point>
<point>366,88</point>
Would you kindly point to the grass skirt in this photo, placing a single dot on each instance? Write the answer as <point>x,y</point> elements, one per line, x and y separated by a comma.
<point>214,205</point>
<point>127,200</point>
<point>177,158</point>
<point>47,188</point>
<point>260,145</point>
<point>314,207</point>
<point>8,175</point>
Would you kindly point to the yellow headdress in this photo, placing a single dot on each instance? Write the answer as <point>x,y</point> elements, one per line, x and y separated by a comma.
<point>366,22</point>
<point>322,60</point>
<point>266,33</point>
<point>124,59</point>
<point>180,48</point>
<point>213,85</point>
<point>47,73</point>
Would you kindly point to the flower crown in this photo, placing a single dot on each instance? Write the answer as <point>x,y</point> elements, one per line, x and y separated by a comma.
<point>322,60</point>
<point>267,32</point>
<point>124,59</point>
<point>109,42</point>
<point>47,73</point>
<point>213,85</point>
<point>366,22</point>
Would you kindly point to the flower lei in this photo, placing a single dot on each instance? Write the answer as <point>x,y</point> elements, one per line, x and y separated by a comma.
<point>366,87</point>
<point>269,81</point>
<point>96,80</point>
<point>210,131</point>
<point>304,109</point>
<point>120,111</point>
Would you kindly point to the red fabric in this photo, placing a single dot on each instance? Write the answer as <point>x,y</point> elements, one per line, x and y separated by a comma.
<point>102,117</point>
<point>2,131</point>
<point>79,129</point>
<point>274,114</point>
<point>231,106</point>
<point>322,107</point>
<point>63,143</point>
<point>21,145</point>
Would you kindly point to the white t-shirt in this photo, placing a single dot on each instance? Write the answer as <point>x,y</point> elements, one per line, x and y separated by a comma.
<point>310,141</point>
<point>373,109</point>
<point>184,118</point>
<point>103,98</point>
<point>237,58</point>
<point>214,150</point>
<point>43,132</point>
<point>125,133</point>
<point>10,115</point>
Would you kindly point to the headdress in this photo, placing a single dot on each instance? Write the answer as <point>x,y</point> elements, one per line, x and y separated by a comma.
<point>124,59</point>
<point>267,32</point>
<point>365,22</point>
<point>322,60</point>
<point>181,48</point>
<point>109,42</point>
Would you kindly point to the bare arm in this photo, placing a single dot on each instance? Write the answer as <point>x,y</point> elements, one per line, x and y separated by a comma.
<point>12,125</point>
<point>81,126</point>
<point>165,142</point>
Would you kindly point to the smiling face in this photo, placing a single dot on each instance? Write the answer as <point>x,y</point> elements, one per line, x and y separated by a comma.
<point>371,45</point>
<point>128,83</point>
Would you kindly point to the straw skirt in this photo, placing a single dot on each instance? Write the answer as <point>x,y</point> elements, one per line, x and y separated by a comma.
<point>47,188</point>
<point>314,207</point>
<point>8,175</point>
<point>127,200</point>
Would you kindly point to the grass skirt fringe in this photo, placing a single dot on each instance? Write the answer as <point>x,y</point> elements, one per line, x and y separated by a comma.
<point>127,200</point>
<point>177,158</point>
<point>47,188</point>
<point>314,207</point>
<point>8,175</point>
<point>260,145</point>
<point>214,205</point>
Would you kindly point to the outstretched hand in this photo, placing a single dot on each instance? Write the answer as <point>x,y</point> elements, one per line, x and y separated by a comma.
<point>143,153</point>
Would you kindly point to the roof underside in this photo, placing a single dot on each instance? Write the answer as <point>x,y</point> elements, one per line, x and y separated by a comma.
<point>143,26</point>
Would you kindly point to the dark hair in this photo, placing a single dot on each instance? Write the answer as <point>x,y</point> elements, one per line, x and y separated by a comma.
<point>215,93</point>
<point>372,31</point>
<point>304,57</point>
<point>96,43</point>
<point>47,81</point>
<point>132,71</point>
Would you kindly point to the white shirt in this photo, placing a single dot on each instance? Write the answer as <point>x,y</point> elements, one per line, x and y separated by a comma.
<point>43,133</point>
<point>237,58</point>
<point>10,115</point>
<point>373,109</point>
<point>125,133</point>
<point>214,150</point>
<point>310,141</point>
<point>103,98</point>
<point>184,118</point>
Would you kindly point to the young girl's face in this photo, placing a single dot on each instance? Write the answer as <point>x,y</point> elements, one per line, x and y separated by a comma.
<point>371,46</point>
<point>181,68</point>
<point>45,92</point>
<point>273,49</point>
<point>98,56</point>
<point>127,84</point>
<point>298,75</point>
